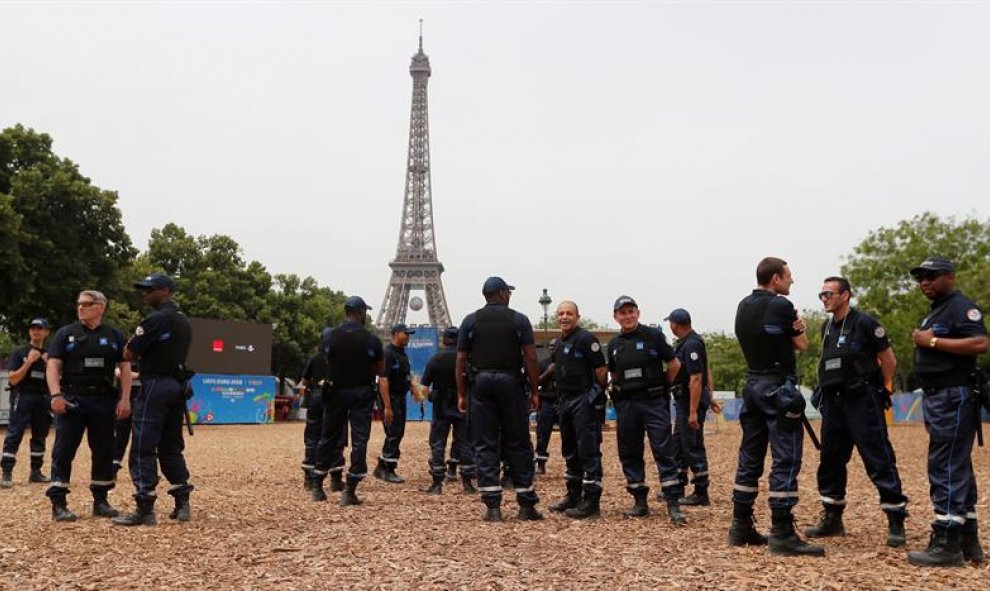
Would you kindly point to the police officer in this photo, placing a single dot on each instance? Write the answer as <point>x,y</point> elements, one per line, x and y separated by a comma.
<point>769,331</point>
<point>854,396</point>
<point>547,417</point>
<point>161,343</point>
<point>946,346</point>
<point>692,397</point>
<point>494,343</point>
<point>354,358</point>
<point>399,376</point>
<point>440,377</point>
<point>636,358</point>
<point>314,382</point>
<point>580,374</point>
<point>81,362</point>
<point>122,427</point>
<point>31,404</point>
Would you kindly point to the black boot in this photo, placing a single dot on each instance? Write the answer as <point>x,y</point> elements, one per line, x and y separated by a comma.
<point>380,470</point>
<point>60,510</point>
<point>436,488</point>
<point>675,513</point>
<point>743,532</point>
<point>698,499</point>
<point>390,476</point>
<point>38,476</point>
<point>469,488</point>
<point>529,513</point>
<point>640,507</point>
<point>829,524</point>
<point>943,549</point>
<point>307,479</point>
<point>337,481</point>
<point>7,480</point>
<point>182,510</point>
<point>102,507</point>
<point>785,541</point>
<point>451,475</point>
<point>570,500</point>
<point>349,496</point>
<point>316,492</point>
<point>589,506</point>
<point>143,515</point>
<point>493,513</point>
<point>541,467</point>
<point>896,537</point>
<point>969,542</point>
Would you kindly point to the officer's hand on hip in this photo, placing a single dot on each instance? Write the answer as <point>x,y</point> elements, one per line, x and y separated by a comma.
<point>693,421</point>
<point>58,405</point>
<point>462,404</point>
<point>387,416</point>
<point>123,407</point>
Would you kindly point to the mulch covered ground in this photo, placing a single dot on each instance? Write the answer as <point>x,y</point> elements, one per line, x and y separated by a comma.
<point>253,527</point>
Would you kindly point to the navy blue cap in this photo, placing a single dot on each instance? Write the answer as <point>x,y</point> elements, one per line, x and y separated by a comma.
<point>495,285</point>
<point>39,323</point>
<point>450,333</point>
<point>402,328</point>
<point>623,301</point>
<point>156,281</point>
<point>355,303</point>
<point>936,264</point>
<point>679,316</point>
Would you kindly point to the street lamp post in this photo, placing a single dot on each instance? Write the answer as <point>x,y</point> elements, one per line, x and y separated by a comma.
<point>545,302</point>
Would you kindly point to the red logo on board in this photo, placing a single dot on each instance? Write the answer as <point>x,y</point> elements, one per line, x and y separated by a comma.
<point>218,346</point>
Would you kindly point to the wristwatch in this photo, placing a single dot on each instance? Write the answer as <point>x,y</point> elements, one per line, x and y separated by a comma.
<point>933,342</point>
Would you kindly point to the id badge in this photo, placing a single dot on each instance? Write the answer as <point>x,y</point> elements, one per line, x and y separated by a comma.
<point>833,364</point>
<point>38,375</point>
<point>93,362</point>
<point>634,373</point>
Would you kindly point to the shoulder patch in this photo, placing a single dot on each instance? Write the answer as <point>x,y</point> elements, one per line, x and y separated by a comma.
<point>879,332</point>
<point>139,331</point>
<point>974,314</point>
<point>595,347</point>
<point>694,356</point>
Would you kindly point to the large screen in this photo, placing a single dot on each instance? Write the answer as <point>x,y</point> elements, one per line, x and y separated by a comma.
<point>228,347</point>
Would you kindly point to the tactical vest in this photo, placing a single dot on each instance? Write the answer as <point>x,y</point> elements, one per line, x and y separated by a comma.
<point>840,365</point>
<point>941,368</point>
<point>443,371</point>
<point>638,368</point>
<point>350,363</point>
<point>495,344</point>
<point>167,355</point>
<point>90,357</point>
<point>765,353</point>
<point>572,369</point>
<point>34,382</point>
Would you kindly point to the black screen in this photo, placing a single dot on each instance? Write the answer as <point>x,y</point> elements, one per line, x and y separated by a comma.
<point>228,347</point>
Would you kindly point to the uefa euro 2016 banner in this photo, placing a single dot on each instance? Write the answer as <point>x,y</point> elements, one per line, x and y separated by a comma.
<point>423,344</point>
<point>231,399</point>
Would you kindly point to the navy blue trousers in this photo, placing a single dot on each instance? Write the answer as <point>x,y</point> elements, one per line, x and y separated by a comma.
<point>580,441</point>
<point>314,430</point>
<point>353,405</point>
<point>122,433</point>
<point>500,407</point>
<point>30,410</point>
<point>394,432</point>
<point>546,418</point>
<point>762,427</point>
<point>93,416</point>
<point>156,437</point>
<point>689,444</point>
<point>950,417</point>
<point>447,419</point>
<point>855,418</point>
<point>649,417</point>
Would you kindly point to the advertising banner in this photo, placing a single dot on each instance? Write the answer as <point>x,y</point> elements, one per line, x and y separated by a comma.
<point>423,345</point>
<point>230,399</point>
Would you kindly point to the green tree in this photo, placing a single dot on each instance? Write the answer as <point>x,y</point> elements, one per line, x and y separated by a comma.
<point>301,309</point>
<point>725,358</point>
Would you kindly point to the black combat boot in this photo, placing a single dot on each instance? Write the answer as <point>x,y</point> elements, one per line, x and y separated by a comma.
<point>181,512</point>
<point>541,467</point>
<point>829,523</point>
<point>640,507</point>
<point>390,476</point>
<point>380,470</point>
<point>743,532</point>
<point>469,488</point>
<point>143,515</point>
<point>307,479</point>
<point>785,541</point>
<point>38,476</point>
<point>316,492</point>
<point>896,536</point>
<point>969,542</point>
<point>436,488</point>
<point>698,499</point>
<point>451,472</point>
<point>60,510</point>
<point>337,481</point>
<point>588,506</point>
<point>7,480</point>
<point>570,500</point>
<point>943,548</point>
<point>529,513</point>
<point>101,506</point>
<point>493,513</point>
<point>349,496</point>
<point>675,513</point>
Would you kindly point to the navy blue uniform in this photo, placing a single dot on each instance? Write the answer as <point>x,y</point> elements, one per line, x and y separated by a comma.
<point>399,376</point>
<point>440,377</point>
<point>122,427</point>
<point>317,375</point>
<point>161,343</point>
<point>636,361</point>
<point>89,357</point>
<point>577,357</point>
<point>765,329</point>
<point>547,417</point>
<point>853,402</point>
<point>689,444</point>
<point>493,338</point>
<point>950,414</point>
<point>352,353</point>
<point>31,407</point>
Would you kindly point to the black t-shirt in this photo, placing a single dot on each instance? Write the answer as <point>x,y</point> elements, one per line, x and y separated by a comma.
<point>693,355</point>
<point>397,370</point>
<point>953,316</point>
<point>316,371</point>
<point>162,341</point>
<point>34,382</point>
<point>765,329</point>
<point>440,374</point>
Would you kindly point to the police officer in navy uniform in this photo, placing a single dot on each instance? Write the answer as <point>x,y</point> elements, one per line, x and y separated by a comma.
<point>161,343</point>
<point>399,375</point>
<point>947,343</point>
<point>122,427</point>
<point>315,425</point>
<point>547,417</point>
<point>692,397</point>
<point>856,365</point>
<point>441,378</point>
<point>493,344</point>
<point>82,358</point>
<point>769,331</point>
<point>636,358</point>
<point>354,358</point>
<point>30,404</point>
<point>580,374</point>
<point>313,382</point>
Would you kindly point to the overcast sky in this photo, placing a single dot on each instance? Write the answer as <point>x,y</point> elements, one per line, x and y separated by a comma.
<point>654,150</point>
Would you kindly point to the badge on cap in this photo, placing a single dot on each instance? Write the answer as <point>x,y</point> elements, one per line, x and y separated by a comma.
<point>974,314</point>
<point>879,332</point>
<point>595,347</point>
<point>139,330</point>
<point>694,356</point>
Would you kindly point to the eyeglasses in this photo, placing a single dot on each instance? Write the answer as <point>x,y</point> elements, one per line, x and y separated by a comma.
<point>928,275</point>
<point>88,304</point>
<point>827,295</point>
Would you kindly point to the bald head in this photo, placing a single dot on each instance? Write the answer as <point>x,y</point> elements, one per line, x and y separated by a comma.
<point>567,316</point>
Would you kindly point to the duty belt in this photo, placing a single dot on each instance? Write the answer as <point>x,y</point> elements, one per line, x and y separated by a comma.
<point>102,390</point>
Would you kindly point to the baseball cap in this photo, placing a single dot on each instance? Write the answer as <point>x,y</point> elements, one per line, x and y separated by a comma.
<point>156,281</point>
<point>934,263</point>
<point>356,303</point>
<point>679,316</point>
<point>623,301</point>
<point>402,328</point>
<point>495,285</point>
<point>39,323</point>
<point>450,333</point>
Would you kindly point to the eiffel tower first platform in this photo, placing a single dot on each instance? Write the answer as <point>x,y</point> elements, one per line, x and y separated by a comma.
<point>416,267</point>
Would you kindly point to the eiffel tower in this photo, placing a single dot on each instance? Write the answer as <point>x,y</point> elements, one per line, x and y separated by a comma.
<point>415,266</point>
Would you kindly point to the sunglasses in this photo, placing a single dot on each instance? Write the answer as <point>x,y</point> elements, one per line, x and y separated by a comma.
<point>928,275</point>
<point>827,295</point>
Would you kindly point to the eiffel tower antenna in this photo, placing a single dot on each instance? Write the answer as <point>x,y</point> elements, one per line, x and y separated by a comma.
<point>416,266</point>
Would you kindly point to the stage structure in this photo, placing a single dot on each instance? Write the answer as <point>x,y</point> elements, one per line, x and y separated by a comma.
<point>416,267</point>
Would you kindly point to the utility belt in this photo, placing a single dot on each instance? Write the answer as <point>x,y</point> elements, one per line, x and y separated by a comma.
<point>777,377</point>
<point>90,390</point>
<point>952,379</point>
<point>480,370</point>
<point>638,393</point>
<point>860,385</point>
